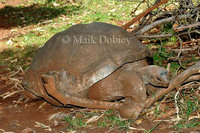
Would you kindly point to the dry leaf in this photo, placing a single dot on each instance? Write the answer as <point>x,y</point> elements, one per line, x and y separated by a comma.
<point>94,118</point>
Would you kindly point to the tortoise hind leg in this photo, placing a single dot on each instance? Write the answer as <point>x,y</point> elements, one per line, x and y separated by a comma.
<point>52,90</point>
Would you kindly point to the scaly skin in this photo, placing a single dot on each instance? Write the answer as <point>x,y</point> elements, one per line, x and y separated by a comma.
<point>123,83</point>
<point>52,89</point>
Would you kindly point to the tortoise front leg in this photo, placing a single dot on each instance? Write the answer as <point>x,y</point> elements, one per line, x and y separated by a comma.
<point>122,83</point>
<point>64,98</point>
<point>135,95</point>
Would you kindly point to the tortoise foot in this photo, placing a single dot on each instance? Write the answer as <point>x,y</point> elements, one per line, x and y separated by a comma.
<point>129,111</point>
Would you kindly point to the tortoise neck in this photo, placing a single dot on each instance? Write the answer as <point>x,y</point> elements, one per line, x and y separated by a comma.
<point>143,71</point>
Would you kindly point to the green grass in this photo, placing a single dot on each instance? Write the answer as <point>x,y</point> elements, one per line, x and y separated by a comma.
<point>189,105</point>
<point>109,118</point>
<point>32,18</point>
<point>153,128</point>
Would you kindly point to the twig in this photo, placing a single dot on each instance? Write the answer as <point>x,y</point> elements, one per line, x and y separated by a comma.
<point>143,14</point>
<point>176,104</point>
<point>185,50</point>
<point>137,7</point>
<point>138,129</point>
<point>194,117</point>
<point>181,28</point>
<point>154,36</point>
<point>6,95</point>
<point>196,94</point>
<point>168,35</point>
<point>38,124</point>
<point>181,47</point>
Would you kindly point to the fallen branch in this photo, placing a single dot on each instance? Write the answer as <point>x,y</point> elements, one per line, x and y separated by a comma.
<point>154,36</point>
<point>161,22</point>
<point>193,78</point>
<point>181,28</point>
<point>176,81</point>
<point>185,50</point>
<point>170,35</point>
<point>143,14</point>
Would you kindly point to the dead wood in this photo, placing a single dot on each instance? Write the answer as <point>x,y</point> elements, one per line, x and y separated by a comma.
<point>170,35</point>
<point>175,82</point>
<point>193,41</point>
<point>154,36</point>
<point>185,50</point>
<point>161,22</point>
<point>193,78</point>
<point>127,25</point>
<point>181,28</point>
<point>183,16</point>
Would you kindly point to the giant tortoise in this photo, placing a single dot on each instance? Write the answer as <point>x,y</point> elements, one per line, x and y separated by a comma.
<point>93,65</point>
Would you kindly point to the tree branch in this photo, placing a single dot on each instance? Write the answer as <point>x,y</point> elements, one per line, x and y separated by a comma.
<point>154,36</point>
<point>143,14</point>
<point>170,35</point>
<point>181,28</point>
<point>162,21</point>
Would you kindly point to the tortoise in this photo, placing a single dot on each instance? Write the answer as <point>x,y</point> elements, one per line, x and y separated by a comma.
<point>92,65</point>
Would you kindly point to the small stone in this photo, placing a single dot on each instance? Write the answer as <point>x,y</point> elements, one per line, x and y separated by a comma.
<point>55,123</point>
<point>27,130</point>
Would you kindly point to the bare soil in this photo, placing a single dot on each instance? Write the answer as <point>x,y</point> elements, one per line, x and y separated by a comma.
<point>35,116</point>
<point>5,26</point>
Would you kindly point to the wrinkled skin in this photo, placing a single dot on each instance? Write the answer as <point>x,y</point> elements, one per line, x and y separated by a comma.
<point>94,75</point>
<point>129,83</point>
<point>123,83</point>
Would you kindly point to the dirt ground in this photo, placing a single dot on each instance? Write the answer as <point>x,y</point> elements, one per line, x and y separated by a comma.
<point>5,27</point>
<point>39,116</point>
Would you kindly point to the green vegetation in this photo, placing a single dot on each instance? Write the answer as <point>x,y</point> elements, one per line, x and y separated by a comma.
<point>189,106</point>
<point>36,21</point>
<point>108,118</point>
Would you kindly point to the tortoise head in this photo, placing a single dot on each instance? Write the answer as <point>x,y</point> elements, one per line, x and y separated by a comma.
<point>157,76</point>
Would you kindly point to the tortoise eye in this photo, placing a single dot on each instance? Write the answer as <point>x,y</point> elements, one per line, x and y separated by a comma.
<point>162,74</point>
<point>159,79</point>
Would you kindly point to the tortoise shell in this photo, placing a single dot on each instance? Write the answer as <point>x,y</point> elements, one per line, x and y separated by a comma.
<point>86,53</point>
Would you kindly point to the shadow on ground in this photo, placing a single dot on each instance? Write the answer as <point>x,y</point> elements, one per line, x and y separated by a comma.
<point>16,57</point>
<point>34,14</point>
